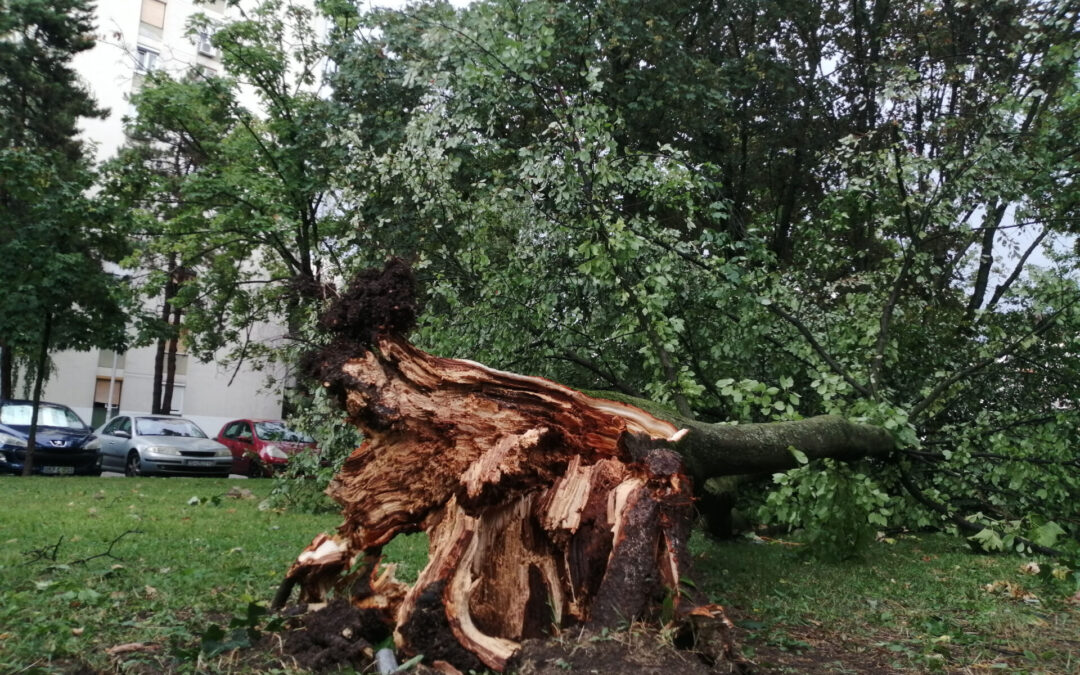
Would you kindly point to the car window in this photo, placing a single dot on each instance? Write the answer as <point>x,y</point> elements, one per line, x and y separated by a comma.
<point>158,426</point>
<point>230,430</point>
<point>243,431</point>
<point>276,431</point>
<point>59,416</point>
<point>113,426</point>
<point>125,425</point>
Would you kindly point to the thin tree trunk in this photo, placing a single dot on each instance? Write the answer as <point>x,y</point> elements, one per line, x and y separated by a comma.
<point>7,369</point>
<point>39,382</point>
<point>159,370</point>
<point>169,384</point>
<point>158,385</point>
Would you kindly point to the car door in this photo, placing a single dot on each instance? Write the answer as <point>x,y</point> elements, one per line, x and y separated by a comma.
<point>115,441</point>
<point>228,437</point>
<point>244,446</point>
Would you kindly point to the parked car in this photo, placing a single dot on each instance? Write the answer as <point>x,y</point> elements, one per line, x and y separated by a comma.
<point>146,445</point>
<point>259,447</point>
<point>64,444</point>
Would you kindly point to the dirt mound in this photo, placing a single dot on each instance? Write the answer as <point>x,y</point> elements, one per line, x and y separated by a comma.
<point>340,638</point>
<point>638,652</point>
<point>334,636</point>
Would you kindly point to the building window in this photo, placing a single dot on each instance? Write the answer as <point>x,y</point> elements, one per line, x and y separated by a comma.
<point>145,59</point>
<point>153,13</point>
<point>181,363</point>
<point>107,358</point>
<point>177,400</point>
<point>104,408</point>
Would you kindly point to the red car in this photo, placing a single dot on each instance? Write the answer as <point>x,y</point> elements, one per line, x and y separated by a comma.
<point>260,446</point>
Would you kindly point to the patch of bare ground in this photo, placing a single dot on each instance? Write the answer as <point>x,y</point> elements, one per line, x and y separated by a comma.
<point>638,651</point>
<point>809,649</point>
<point>339,637</point>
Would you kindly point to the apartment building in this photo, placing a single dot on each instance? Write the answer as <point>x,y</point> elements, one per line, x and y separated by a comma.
<point>134,37</point>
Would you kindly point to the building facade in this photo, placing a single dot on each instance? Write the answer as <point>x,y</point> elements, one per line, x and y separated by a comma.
<point>134,37</point>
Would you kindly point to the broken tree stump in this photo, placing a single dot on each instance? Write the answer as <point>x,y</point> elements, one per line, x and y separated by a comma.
<point>544,507</point>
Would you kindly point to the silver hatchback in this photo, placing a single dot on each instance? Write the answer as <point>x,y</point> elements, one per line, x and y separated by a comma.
<point>158,445</point>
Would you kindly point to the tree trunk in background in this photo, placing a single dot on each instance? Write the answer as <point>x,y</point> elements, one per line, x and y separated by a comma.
<point>39,382</point>
<point>165,355</point>
<point>7,370</point>
<point>159,356</point>
<point>169,385</point>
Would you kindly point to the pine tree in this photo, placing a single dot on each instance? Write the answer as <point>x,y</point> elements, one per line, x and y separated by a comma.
<point>54,238</point>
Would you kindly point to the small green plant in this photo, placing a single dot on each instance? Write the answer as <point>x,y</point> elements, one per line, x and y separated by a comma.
<point>243,631</point>
<point>838,508</point>
<point>303,484</point>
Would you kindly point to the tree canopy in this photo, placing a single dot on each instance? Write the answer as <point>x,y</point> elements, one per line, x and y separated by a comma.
<point>232,178</point>
<point>760,211</point>
<point>749,211</point>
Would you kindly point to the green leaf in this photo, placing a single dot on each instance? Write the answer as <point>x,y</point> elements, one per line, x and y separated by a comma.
<point>1047,534</point>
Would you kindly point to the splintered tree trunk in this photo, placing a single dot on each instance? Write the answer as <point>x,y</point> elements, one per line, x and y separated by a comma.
<point>544,507</point>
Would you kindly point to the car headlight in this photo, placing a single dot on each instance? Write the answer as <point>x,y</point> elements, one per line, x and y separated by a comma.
<point>223,452</point>
<point>93,444</point>
<point>163,450</point>
<point>275,452</point>
<point>8,439</point>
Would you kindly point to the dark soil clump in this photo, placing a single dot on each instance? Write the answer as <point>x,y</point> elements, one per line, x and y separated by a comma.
<point>335,636</point>
<point>638,652</point>
<point>377,301</point>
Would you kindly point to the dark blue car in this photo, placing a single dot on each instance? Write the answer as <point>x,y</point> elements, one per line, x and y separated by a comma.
<point>65,445</point>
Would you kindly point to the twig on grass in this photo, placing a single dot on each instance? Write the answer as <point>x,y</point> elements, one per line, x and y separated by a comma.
<point>45,553</point>
<point>108,551</point>
<point>49,553</point>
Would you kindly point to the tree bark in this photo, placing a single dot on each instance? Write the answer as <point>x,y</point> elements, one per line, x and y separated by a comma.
<point>169,385</point>
<point>39,382</point>
<point>7,369</point>
<point>545,507</point>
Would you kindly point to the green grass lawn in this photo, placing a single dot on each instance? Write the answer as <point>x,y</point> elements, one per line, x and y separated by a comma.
<point>88,564</point>
<point>915,603</point>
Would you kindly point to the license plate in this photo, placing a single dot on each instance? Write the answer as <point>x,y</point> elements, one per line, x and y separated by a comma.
<point>200,462</point>
<point>58,470</point>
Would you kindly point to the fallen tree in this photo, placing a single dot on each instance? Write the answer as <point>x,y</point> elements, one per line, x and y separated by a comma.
<point>544,507</point>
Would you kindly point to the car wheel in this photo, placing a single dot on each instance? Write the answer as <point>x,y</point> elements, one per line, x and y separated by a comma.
<point>133,467</point>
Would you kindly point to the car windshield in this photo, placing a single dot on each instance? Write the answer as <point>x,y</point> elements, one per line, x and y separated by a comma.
<point>156,426</point>
<point>276,431</point>
<point>18,414</point>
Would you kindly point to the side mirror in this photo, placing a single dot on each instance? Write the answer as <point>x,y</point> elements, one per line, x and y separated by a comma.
<point>121,433</point>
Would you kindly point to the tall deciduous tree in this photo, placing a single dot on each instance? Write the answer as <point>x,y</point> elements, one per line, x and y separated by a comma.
<point>54,292</point>
<point>232,176</point>
<point>759,211</point>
